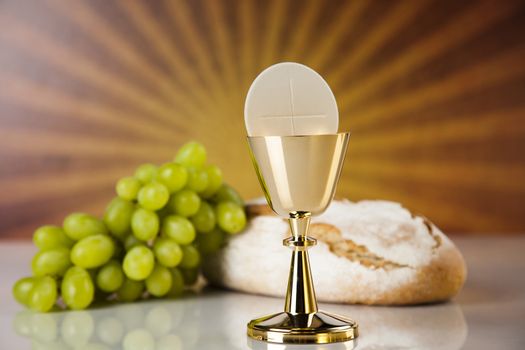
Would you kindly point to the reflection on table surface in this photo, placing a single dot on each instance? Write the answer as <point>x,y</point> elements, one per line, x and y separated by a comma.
<point>217,320</point>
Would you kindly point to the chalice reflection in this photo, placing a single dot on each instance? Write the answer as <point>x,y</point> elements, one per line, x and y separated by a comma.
<point>299,175</point>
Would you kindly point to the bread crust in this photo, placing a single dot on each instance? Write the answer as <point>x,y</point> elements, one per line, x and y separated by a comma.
<point>369,252</point>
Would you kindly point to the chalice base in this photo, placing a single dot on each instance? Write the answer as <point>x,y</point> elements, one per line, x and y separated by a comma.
<point>314,328</point>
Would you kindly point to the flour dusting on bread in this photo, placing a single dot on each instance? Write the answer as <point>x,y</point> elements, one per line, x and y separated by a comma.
<point>372,252</point>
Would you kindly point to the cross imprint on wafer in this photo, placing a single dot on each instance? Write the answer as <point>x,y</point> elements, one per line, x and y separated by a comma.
<point>290,99</point>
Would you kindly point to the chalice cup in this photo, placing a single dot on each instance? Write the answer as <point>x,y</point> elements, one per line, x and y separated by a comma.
<point>299,175</point>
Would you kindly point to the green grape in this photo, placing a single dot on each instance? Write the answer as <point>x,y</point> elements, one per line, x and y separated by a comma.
<point>47,237</point>
<point>204,219</point>
<point>127,188</point>
<point>23,287</point>
<point>144,224</point>
<point>197,180</point>
<point>185,203</point>
<point>177,283</point>
<point>158,282</point>
<point>191,154</point>
<point>92,251</point>
<point>52,262</point>
<point>214,181</point>
<point>167,252</point>
<point>118,216</point>
<point>77,288</point>
<point>190,257</point>
<point>130,290</point>
<point>173,176</point>
<point>138,263</point>
<point>43,295</point>
<point>226,193</point>
<point>210,242</point>
<point>80,225</point>
<point>131,241</point>
<point>153,196</point>
<point>179,229</point>
<point>230,217</point>
<point>146,173</point>
<point>110,276</point>
<point>190,276</point>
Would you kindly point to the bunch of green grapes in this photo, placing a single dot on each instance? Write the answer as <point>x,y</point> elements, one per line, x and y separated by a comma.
<point>150,242</point>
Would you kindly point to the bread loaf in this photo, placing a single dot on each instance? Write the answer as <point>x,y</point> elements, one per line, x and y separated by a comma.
<point>369,252</point>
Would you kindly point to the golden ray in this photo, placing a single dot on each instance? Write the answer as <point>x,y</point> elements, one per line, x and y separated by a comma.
<point>20,189</point>
<point>120,48</point>
<point>17,140</point>
<point>155,35</point>
<point>301,35</point>
<point>453,174</point>
<point>369,44</point>
<point>215,56</point>
<point>183,22</point>
<point>222,43</point>
<point>443,212</point>
<point>458,30</point>
<point>334,33</point>
<point>438,132</point>
<point>35,44</point>
<point>478,76</point>
<point>246,18</point>
<point>214,129</point>
<point>45,98</point>
<point>276,18</point>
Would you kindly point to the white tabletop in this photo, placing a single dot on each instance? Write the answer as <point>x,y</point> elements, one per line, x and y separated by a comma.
<point>488,314</point>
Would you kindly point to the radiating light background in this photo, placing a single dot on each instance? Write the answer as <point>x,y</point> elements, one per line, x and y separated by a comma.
<point>433,92</point>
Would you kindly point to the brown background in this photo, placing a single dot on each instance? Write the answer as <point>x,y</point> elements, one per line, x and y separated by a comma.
<point>433,91</point>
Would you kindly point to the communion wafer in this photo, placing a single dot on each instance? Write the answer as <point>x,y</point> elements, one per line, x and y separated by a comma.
<point>289,99</point>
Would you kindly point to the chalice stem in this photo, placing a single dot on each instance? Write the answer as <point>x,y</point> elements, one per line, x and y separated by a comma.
<point>300,296</point>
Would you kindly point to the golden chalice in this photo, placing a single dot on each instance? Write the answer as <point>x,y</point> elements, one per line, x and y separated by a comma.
<point>299,175</point>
